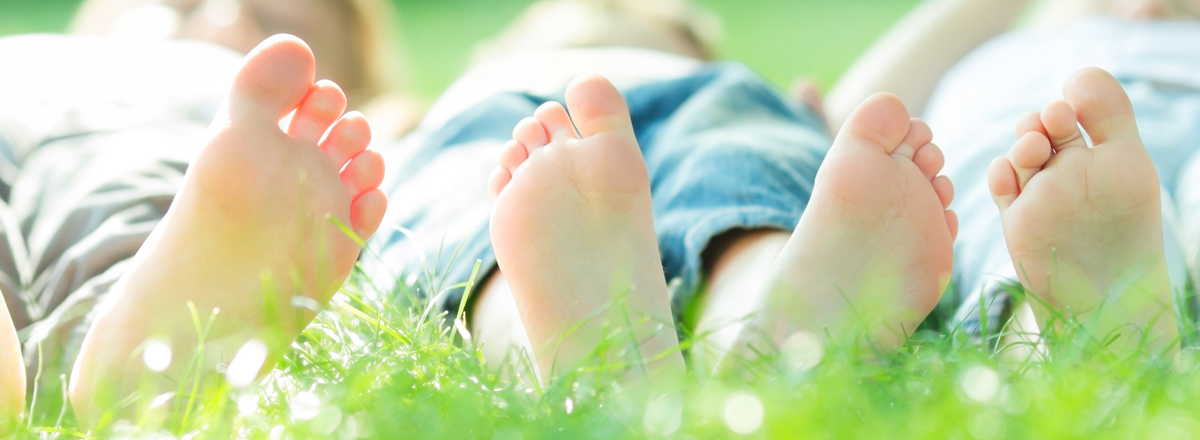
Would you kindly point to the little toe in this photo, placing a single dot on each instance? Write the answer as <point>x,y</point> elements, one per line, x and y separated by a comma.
<point>930,160</point>
<point>597,107</point>
<point>497,181</point>
<point>1002,180</point>
<point>322,107</point>
<point>531,133</point>
<point>554,118</point>
<point>512,156</point>
<point>363,173</point>
<point>366,212</point>
<point>273,79</point>
<point>880,122</point>
<point>349,136</point>
<point>1101,106</point>
<point>1062,128</point>
<point>952,222</point>
<point>1028,156</point>
<point>944,189</point>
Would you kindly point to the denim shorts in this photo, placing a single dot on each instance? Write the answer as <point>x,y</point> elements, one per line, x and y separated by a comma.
<point>723,149</point>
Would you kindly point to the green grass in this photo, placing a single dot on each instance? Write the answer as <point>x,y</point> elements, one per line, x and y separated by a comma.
<point>375,365</point>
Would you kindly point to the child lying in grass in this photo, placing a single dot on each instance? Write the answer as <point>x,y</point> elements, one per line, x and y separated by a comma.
<point>1114,249</point>
<point>695,164</point>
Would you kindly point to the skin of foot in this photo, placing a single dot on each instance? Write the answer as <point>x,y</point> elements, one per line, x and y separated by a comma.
<point>246,234</point>
<point>12,371</point>
<point>1084,223</point>
<point>872,253</point>
<point>574,236</point>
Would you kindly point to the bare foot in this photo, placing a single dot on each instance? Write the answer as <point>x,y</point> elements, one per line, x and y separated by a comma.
<point>12,371</point>
<point>1084,225</point>
<point>873,251</point>
<point>252,206</point>
<point>573,231</point>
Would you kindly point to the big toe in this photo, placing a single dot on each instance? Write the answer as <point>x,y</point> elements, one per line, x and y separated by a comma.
<point>273,79</point>
<point>1101,105</point>
<point>597,107</point>
<point>881,122</point>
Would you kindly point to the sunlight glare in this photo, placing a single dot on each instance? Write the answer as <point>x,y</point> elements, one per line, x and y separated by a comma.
<point>743,413</point>
<point>246,363</point>
<point>157,356</point>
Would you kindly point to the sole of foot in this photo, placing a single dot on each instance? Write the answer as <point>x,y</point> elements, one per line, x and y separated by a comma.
<point>248,234</point>
<point>1084,223</point>
<point>573,232</point>
<point>872,253</point>
<point>12,372</point>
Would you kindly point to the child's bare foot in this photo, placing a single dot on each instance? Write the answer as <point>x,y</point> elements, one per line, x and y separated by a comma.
<point>12,371</point>
<point>251,207</point>
<point>573,230</point>
<point>1085,224</point>
<point>873,250</point>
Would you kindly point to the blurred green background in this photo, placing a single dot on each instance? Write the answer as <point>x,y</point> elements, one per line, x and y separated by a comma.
<point>781,39</point>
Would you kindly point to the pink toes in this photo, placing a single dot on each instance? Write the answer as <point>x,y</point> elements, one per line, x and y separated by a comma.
<point>349,137</point>
<point>1061,126</point>
<point>554,118</point>
<point>497,181</point>
<point>919,134</point>
<point>1028,156</point>
<point>1002,180</point>
<point>363,173</point>
<point>273,80</point>
<point>322,106</point>
<point>366,212</point>
<point>952,222</point>
<point>529,135</point>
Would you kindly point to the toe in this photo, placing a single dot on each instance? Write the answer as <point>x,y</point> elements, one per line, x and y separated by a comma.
<point>1030,122</point>
<point>930,160</point>
<point>1028,156</point>
<point>597,107</point>
<point>554,118</point>
<point>322,106</point>
<point>531,133</point>
<point>1002,180</point>
<point>273,79</point>
<point>1101,106</point>
<point>363,173</point>
<point>944,189</point>
<point>1062,129</point>
<point>512,156</point>
<point>497,181</point>
<point>366,212</point>
<point>349,137</point>
<point>952,222</point>
<point>879,122</point>
<point>918,135</point>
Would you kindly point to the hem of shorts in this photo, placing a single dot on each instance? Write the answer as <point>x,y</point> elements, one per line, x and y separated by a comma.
<point>685,286</point>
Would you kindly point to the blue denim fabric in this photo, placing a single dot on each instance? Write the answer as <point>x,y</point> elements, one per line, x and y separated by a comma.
<point>724,151</point>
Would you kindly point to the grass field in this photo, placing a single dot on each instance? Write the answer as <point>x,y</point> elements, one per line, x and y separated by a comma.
<point>782,39</point>
<point>374,365</point>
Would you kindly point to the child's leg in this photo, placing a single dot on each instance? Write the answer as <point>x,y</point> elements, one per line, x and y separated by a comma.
<point>1084,223</point>
<point>739,264</point>
<point>233,227</point>
<point>12,371</point>
<point>496,326</point>
<point>872,252</point>
<point>573,231</point>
